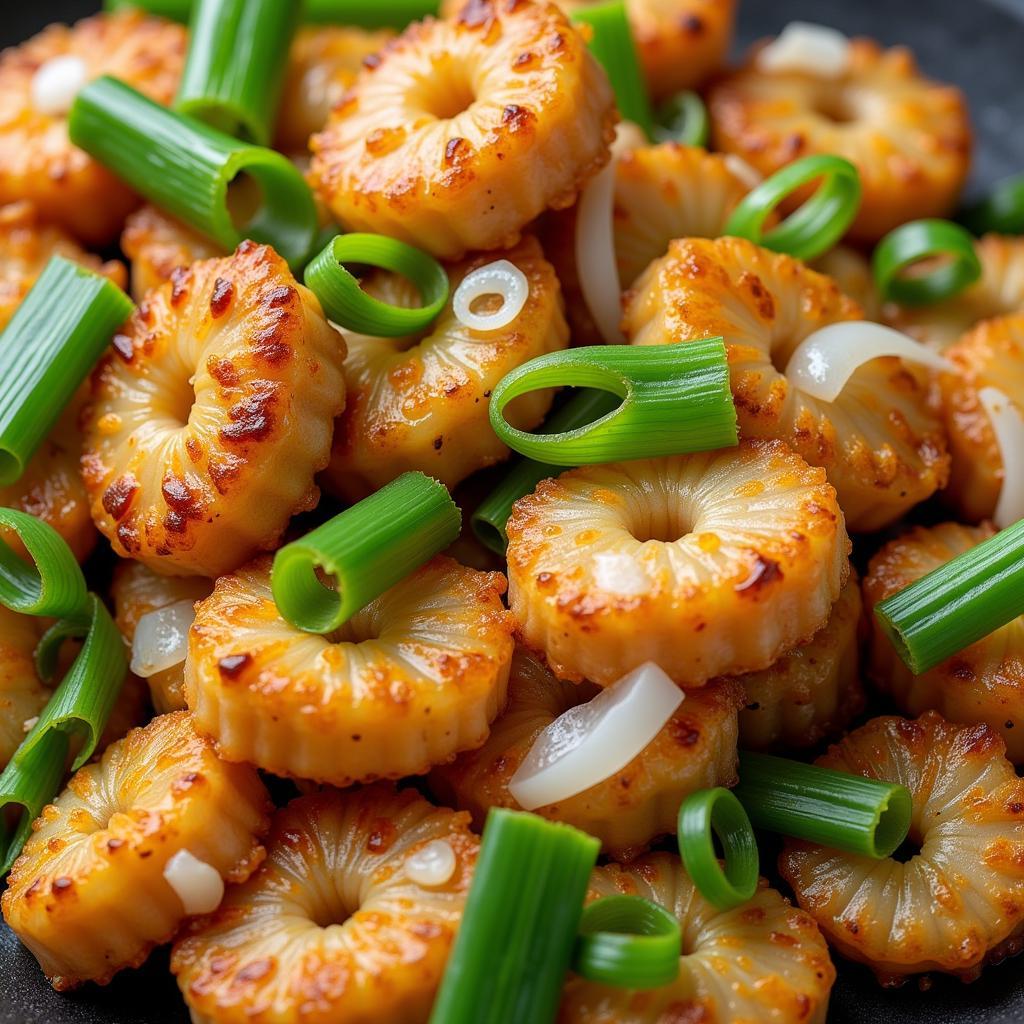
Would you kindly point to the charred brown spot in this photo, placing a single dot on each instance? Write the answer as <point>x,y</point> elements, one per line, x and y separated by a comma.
<point>516,118</point>
<point>765,572</point>
<point>476,13</point>
<point>223,290</point>
<point>117,498</point>
<point>128,536</point>
<point>183,502</point>
<point>683,733</point>
<point>782,939</point>
<point>269,343</point>
<point>222,471</point>
<point>234,664</point>
<point>523,60</point>
<point>179,286</point>
<point>282,295</point>
<point>194,449</point>
<point>692,24</point>
<point>761,296</point>
<point>223,371</point>
<point>123,346</point>
<point>251,418</point>
<point>960,669</point>
<point>438,442</point>
<point>382,836</point>
<point>247,246</point>
<point>556,43</point>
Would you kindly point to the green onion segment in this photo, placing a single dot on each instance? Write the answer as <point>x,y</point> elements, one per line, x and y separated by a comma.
<point>347,305</point>
<point>237,53</point>
<point>491,515</point>
<point>628,942</point>
<point>921,240</point>
<point>394,14</point>
<point>1001,211</point>
<point>717,810</point>
<point>611,42</point>
<point>684,119</point>
<point>836,809</point>
<point>519,927</point>
<point>51,343</point>
<point>366,549</point>
<point>958,603</point>
<point>675,399</point>
<point>818,224</point>
<point>225,189</point>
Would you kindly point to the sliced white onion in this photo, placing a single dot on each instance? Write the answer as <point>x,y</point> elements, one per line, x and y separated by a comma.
<point>824,361</point>
<point>591,742</point>
<point>198,884</point>
<point>432,864</point>
<point>802,46</point>
<point>750,176</point>
<point>618,573</point>
<point>161,638</point>
<point>499,278</point>
<point>1008,425</point>
<point>628,135</point>
<point>30,723</point>
<point>56,84</point>
<point>595,255</point>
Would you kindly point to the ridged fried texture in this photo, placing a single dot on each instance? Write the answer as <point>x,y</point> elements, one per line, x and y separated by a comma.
<point>157,245</point>
<point>851,270</point>
<point>705,564</point>
<point>909,137</point>
<point>881,444</point>
<point>37,160</point>
<point>409,681</point>
<point>961,897</point>
<point>696,749</point>
<point>461,132</point>
<point>330,929</point>
<point>981,683</point>
<point>88,896</point>
<point>812,691</point>
<point>761,961</point>
<point>998,292</point>
<point>323,63</point>
<point>211,415</point>
<point>137,591</point>
<point>22,695</point>
<point>989,356</point>
<point>420,402</point>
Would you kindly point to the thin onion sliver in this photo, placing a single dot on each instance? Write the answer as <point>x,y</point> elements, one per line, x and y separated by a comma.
<point>1008,426</point>
<point>161,638</point>
<point>595,255</point>
<point>500,278</point>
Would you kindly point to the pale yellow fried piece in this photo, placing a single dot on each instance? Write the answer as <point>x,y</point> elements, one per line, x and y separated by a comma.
<point>137,591</point>
<point>981,683</point>
<point>696,749</point>
<point>761,961</point>
<point>88,896</point>
<point>465,130</point>
<point>37,160</point>
<point>409,681</point>
<point>880,442</point>
<point>420,402</point>
<point>812,691</point>
<point>211,415</point>
<point>332,929</point>
<point>705,564</point>
<point>961,896</point>
<point>909,137</point>
<point>851,270</point>
<point>22,694</point>
<point>323,63</point>
<point>989,356</point>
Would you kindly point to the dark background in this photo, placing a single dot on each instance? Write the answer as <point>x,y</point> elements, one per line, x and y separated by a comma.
<point>976,44</point>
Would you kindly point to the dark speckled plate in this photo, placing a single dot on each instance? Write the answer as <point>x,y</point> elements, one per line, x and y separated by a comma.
<point>979,45</point>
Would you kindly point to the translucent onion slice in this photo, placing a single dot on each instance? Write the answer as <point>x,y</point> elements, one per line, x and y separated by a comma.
<point>591,742</point>
<point>198,884</point>
<point>804,47</point>
<point>432,864</point>
<point>824,361</point>
<point>740,169</point>
<point>161,638</point>
<point>500,278</point>
<point>56,83</point>
<point>1008,425</point>
<point>595,255</point>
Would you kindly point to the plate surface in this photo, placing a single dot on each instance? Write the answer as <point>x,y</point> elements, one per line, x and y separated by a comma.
<point>979,45</point>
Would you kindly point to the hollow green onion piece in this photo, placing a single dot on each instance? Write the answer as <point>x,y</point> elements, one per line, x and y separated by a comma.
<point>520,922</point>
<point>717,810</point>
<point>47,350</point>
<point>1002,210</point>
<point>175,10</point>
<point>491,515</point>
<point>237,53</point>
<point>87,694</point>
<point>347,305</point>
<point>628,942</point>
<point>684,119</point>
<point>611,43</point>
<point>818,224</point>
<point>225,189</point>
<point>836,809</point>
<point>394,14</point>
<point>53,584</point>
<point>920,240</point>
<point>675,399</point>
<point>29,782</point>
<point>366,549</point>
<point>958,603</point>
<point>48,649</point>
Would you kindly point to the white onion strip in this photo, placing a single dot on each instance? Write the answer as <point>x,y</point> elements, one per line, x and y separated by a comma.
<point>822,364</point>
<point>198,884</point>
<point>1008,425</point>
<point>56,83</point>
<point>499,278</point>
<point>595,255</point>
<point>805,47</point>
<point>432,864</point>
<point>161,638</point>
<point>591,742</point>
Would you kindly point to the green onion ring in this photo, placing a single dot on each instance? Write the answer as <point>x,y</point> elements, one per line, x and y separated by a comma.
<point>718,810</point>
<point>684,119</point>
<point>1001,211</point>
<point>347,305</point>
<point>818,224</point>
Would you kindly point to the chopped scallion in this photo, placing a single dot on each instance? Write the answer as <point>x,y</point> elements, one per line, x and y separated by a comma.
<point>684,119</point>
<point>393,14</point>
<point>1001,211</point>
